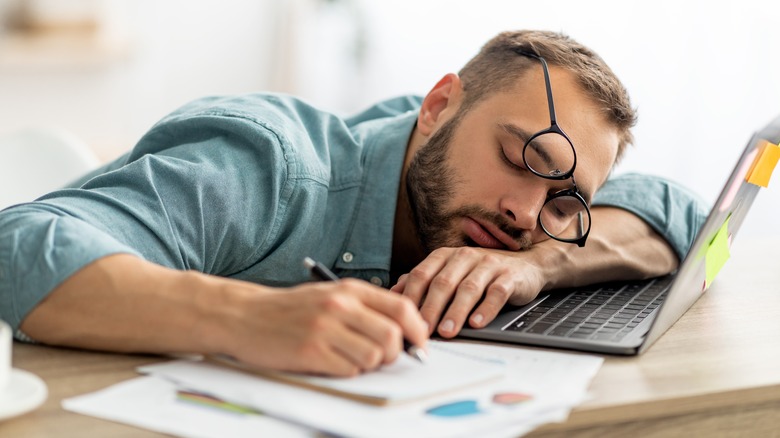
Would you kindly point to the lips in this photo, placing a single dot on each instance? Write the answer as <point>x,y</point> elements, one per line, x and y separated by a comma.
<point>488,235</point>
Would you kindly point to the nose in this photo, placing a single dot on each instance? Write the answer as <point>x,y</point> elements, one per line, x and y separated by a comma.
<point>522,206</point>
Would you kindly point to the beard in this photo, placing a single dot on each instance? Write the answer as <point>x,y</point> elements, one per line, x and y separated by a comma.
<point>431,184</point>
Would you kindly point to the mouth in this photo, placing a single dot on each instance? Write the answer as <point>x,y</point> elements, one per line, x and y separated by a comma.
<point>488,235</point>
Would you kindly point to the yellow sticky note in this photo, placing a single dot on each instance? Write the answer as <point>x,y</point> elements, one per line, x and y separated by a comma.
<point>717,253</point>
<point>764,165</point>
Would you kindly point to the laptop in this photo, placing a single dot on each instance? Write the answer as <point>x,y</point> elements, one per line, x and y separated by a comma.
<point>628,317</point>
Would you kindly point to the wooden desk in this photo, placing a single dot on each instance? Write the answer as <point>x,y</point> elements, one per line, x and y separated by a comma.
<point>715,373</point>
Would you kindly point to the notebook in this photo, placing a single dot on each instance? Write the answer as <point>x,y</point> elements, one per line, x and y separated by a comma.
<point>406,379</point>
<point>628,317</point>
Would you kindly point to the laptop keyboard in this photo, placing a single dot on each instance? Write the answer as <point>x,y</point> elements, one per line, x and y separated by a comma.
<point>602,312</point>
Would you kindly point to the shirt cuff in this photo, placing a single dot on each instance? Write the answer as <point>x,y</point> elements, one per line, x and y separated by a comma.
<point>40,249</point>
<point>673,211</point>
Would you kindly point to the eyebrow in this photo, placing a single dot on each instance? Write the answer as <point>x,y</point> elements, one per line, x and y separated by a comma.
<point>522,135</point>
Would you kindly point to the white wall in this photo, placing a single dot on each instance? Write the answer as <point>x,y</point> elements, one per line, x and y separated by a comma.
<point>166,53</point>
<point>703,74</point>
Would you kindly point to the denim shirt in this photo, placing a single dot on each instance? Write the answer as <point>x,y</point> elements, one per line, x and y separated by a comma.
<point>247,186</point>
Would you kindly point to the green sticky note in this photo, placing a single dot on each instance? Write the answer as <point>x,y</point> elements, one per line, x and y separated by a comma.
<point>717,253</point>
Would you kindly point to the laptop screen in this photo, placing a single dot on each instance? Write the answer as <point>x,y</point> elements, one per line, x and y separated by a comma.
<point>710,249</point>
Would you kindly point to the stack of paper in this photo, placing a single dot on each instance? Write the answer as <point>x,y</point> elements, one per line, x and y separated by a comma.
<point>520,389</point>
<point>404,380</point>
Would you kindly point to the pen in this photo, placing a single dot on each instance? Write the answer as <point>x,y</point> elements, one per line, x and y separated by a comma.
<point>323,273</point>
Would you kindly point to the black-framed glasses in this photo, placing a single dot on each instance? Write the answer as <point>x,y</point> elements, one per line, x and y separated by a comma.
<point>550,154</point>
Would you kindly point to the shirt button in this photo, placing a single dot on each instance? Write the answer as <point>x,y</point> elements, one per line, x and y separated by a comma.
<point>376,281</point>
<point>347,257</point>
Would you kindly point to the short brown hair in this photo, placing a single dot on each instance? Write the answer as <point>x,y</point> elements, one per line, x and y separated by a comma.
<point>497,66</point>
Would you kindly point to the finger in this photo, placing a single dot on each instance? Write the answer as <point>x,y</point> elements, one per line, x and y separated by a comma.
<point>419,279</point>
<point>443,290</point>
<point>401,318</point>
<point>381,338</point>
<point>361,348</point>
<point>470,290</point>
<point>399,286</point>
<point>315,353</point>
<point>345,325</point>
<point>331,362</point>
<point>496,296</point>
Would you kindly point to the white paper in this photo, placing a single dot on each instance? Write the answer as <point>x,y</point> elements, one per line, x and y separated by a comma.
<point>151,403</point>
<point>556,382</point>
<point>408,379</point>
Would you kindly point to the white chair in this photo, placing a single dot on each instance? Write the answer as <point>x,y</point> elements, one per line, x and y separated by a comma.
<point>34,162</point>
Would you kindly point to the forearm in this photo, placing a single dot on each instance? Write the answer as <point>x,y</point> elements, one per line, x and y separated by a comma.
<point>621,246</point>
<point>123,303</point>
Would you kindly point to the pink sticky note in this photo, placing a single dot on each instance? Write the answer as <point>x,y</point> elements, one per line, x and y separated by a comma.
<point>737,183</point>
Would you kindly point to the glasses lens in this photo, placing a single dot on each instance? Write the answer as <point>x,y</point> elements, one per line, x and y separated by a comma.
<point>549,155</point>
<point>565,218</point>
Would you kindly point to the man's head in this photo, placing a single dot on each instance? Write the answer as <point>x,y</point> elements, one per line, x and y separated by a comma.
<point>497,66</point>
<point>466,179</point>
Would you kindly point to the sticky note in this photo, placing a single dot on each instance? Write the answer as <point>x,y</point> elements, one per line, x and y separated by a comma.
<point>764,164</point>
<point>717,253</point>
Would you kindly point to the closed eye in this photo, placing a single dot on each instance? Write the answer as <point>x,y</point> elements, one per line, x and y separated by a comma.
<point>509,162</point>
<point>565,206</point>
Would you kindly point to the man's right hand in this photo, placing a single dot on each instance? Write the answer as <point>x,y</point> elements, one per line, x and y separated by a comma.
<point>338,328</point>
<point>122,303</point>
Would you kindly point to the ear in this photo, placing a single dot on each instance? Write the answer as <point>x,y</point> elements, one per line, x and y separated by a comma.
<point>440,103</point>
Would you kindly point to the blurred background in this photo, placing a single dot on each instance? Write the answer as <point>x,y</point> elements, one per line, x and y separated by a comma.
<point>704,75</point>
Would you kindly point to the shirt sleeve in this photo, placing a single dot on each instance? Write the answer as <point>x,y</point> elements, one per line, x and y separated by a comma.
<point>208,197</point>
<point>673,211</point>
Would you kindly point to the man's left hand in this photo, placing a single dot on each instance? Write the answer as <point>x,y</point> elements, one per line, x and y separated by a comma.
<point>453,284</point>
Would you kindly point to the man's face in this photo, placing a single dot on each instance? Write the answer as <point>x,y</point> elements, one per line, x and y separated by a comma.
<point>468,185</point>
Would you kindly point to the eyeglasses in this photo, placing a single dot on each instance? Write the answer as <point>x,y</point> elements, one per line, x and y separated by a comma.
<point>550,154</point>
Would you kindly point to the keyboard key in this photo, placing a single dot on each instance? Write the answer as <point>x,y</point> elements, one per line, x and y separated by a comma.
<point>538,328</point>
<point>559,331</point>
<point>580,314</point>
<point>557,314</point>
<point>585,330</point>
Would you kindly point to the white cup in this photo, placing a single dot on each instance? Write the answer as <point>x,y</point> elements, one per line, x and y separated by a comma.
<point>5,354</point>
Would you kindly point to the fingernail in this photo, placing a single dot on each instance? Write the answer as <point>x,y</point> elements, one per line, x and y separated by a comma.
<point>477,318</point>
<point>447,325</point>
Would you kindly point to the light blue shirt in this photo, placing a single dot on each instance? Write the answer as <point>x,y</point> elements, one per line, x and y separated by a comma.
<point>245,187</point>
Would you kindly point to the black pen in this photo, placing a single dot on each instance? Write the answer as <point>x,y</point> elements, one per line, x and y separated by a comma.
<point>321,271</point>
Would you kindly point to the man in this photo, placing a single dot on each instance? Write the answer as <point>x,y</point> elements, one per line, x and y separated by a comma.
<point>194,240</point>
